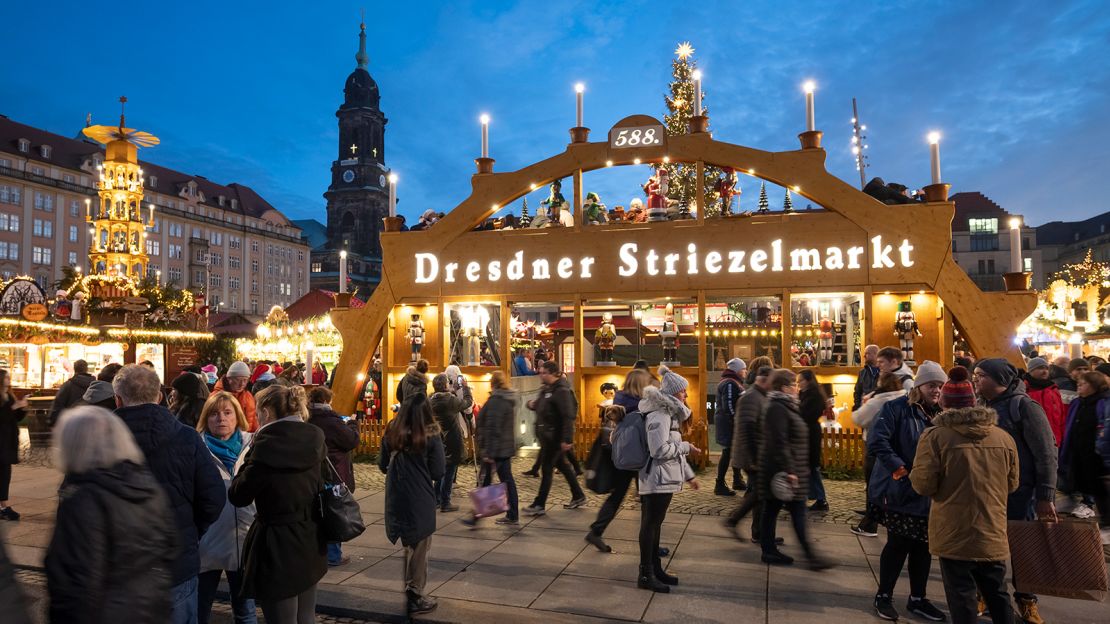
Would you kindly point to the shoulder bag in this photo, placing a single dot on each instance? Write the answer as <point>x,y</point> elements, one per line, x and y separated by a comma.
<point>340,517</point>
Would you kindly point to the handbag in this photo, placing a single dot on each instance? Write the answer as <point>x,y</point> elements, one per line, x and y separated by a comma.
<point>1062,559</point>
<point>340,517</point>
<point>781,487</point>
<point>489,500</point>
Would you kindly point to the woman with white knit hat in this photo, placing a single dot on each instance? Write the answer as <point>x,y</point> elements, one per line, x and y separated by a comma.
<point>665,416</point>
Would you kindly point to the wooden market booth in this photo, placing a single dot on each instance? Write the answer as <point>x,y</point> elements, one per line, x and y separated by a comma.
<point>855,260</point>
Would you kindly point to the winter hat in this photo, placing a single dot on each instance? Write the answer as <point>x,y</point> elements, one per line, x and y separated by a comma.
<point>239,369</point>
<point>736,365</point>
<point>98,391</point>
<point>1104,368</point>
<point>189,385</point>
<point>1078,363</point>
<point>258,370</point>
<point>1002,372</point>
<point>929,371</point>
<point>267,376</point>
<point>1036,363</point>
<point>672,383</point>
<point>208,368</point>
<point>957,391</point>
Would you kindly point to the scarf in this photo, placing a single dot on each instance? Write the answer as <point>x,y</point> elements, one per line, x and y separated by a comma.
<point>227,451</point>
<point>789,399</point>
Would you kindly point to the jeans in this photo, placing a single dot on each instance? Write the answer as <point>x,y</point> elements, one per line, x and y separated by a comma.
<point>183,602</point>
<point>869,521</point>
<point>963,579</point>
<point>552,456</point>
<point>751,503</point>
<point>893,559</point>
<point>444,485</point>
<point>335,553</point>
<point>622,479</point>
<point>816,485</point>
<point>1021,505</point>
<point>208,582</point>
<point>415,567</point>
<point>722,468</point>
<point>299,609</point>
<point>767,535</point>
<point>504,468</point>
<point>653,510</point>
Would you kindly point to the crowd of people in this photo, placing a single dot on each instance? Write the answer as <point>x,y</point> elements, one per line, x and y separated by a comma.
<point>167,490</point>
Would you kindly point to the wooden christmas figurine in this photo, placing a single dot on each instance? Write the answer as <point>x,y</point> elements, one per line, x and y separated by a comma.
<point>604,337</point>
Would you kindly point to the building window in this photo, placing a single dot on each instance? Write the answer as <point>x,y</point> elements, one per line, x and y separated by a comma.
<point>198,277</point>
<point>175,275</point>
<point>317,267</point>
<point>45,151</point>
<point>176,230</point>
<point>983,226</point>
<point>254,287</point>
<point>217,259</point>
<point>152,181</point>
<point>216,238</point>
<point>11,195</point>
<point>9,223</point>
<point>39,171</point>
<point>215,280</point>
<point>9,251</point>
<point>157,227</point>
<point>24,145</point>
<point>44,201</point>
<point>175,252</point>
<point>254,266</point>
<point>73,233</point>
<point>66,177</point>
<point>73,258</point>
<point>1028,265</point>
<point>234,262</point>
<point>235,242</point>
<point>986,267</point>
<point>254,246</point>
<point>43,228</point>
<point>40,255</point>
<point>233,283</point>
<point>197,233</point>
<point>153,247</point>
<point>74,208</point>
<point>984,242</point>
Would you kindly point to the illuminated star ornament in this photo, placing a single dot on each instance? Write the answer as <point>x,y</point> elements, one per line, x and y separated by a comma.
<point>684,50</point>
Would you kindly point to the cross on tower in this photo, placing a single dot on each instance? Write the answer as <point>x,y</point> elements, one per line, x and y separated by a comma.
<point>354,148</point>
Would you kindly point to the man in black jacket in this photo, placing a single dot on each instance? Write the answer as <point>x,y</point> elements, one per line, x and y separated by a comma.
<point>71,391</point>
<point>868,377</point>
<point>556,409</point>
<point>183,466</point>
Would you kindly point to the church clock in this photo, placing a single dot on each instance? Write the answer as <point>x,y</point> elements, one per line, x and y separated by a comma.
<point>348,176</point>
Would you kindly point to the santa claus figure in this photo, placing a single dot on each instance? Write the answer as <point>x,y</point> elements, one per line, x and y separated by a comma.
<point>656,189</point>
<point>726,188</point>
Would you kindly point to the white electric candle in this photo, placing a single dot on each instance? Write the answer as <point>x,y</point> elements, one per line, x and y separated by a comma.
<point>343,272</point>
<point>393,194</point>
<point>485,135</point>
<point>578,90</point>
<point>934,155</point>
<point>88,209</point>
<point>152,215</point>
<point>811,118</point>
<point>697,92</point>
<point>1016,265</point>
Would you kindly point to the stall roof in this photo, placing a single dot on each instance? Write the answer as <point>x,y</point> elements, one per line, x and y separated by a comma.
<point>314,303</point>
<point>231,324</point>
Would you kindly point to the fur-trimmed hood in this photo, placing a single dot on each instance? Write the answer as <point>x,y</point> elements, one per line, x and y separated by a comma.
<point>654,400</point>
<point>970,422</point>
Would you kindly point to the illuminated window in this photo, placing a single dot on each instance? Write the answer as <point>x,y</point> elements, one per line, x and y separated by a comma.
<point>983,226</point>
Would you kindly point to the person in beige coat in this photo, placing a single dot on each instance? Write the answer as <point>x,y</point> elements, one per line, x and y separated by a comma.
<point>969,467</point>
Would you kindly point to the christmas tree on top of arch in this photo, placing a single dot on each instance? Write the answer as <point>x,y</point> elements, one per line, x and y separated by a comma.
<point>680,108</point>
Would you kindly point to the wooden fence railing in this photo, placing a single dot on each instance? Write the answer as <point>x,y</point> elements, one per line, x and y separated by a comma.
<point>843,450</point>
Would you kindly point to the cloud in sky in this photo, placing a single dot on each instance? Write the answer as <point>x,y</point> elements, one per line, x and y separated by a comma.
<point>247,92</point>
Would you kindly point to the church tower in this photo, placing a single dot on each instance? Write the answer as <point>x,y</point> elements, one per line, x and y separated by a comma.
<point>358,195</point>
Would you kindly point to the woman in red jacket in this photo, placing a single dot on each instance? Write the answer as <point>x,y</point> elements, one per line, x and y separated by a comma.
<point>1040,387</point>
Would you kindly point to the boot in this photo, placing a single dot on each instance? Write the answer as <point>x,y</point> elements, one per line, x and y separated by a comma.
<point>1027,608</point>
<point>647,580</point>
<point>597,542</point>
<point>666,579</point>
<point>722,490</point>
<point>420,604</point>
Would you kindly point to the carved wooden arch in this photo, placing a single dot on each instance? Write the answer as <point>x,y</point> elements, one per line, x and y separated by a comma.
<point>987,320</point>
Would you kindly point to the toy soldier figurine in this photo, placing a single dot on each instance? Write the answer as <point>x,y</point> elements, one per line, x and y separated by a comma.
<point>416,336</point>
<point>825,337</point>
<point>726,188</point>
<point>905,327</point>
<point>556,207</point>
<point>594,211</point>
<point>656,189</point>
<point>669,335</point>
<point>605,336</point>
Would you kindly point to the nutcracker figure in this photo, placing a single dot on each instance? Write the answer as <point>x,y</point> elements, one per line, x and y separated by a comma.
<point>416,336</point>
<point>594,211</point>
<point>726,188</point>
<point>656,189</point>
<point>825,337</point>
<point>668,334</point>
<point>605,336</point>
<point>905,327</point>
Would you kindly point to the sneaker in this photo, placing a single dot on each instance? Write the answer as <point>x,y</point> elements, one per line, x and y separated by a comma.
<point>576,503</point>
<point>598,543</point>
<point>531,473</point>
<point>884,608</point>
<point>344,560</point>
<point>8,513</point>
<point>819,506</point>
<point>506,521</point>
<point>421,604</point>
<point>1083,511</point>
<point>1027,608</point>
<point>533,510</point>
<point>469,521</point>
<point>664,552</point>
<point>863,531</point>
<point>722,490</point>
<point>778,541</point>
<point>448,508</point>
<point>739,486</point>
<point>776,558</point>
<point>820,564</point>
<point>923,608</point>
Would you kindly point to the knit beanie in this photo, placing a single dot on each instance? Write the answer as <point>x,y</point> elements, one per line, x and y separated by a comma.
<point>239,369</point>
<point>736,365</point>
<point>927,372</point>
<point>957,391</point>
<point>98,391</point>
<point>1104,368</point>
<point>1036,363</point>
<point>1001,371</point>
<point>189,385</point>
<point>958,373</point>
<point>672,383</point>
<point>1078,363</point>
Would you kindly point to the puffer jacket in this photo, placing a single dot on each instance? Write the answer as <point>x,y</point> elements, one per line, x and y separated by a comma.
<point>340,437</point>
<point>181,464</point>
<point>1047,395</point>
<point>114,545</point>
<point>1081,465</point>
<point>865,416</point>
<point>728,393</point>
<point>785,445</point>
<point>556,409</point>
<point>413,383</point>
<point>969,467</point>
<point>811,407</point>
<point>666,469</point>
<point>495,436</point>
<point>410,500</point>
<point>747,433</point>
<point>893,442</point>
<point>221,548</point>
<point>1024,419</point>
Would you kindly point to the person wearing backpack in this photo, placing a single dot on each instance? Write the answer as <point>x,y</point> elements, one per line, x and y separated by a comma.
<point>728,393</point>
<point>1081,465</point>
<point>664,472</point>
<point>998,384</point>
<point>627,398</point>
<point>556,410</point>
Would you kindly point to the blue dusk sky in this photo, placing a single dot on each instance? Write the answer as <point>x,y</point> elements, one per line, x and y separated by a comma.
<point>247,91</point>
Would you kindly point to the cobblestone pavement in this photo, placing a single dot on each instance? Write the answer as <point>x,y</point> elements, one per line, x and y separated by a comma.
<point>844,496</point>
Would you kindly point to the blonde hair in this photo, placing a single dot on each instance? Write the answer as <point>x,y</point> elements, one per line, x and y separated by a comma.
<point>281,402</point>
<point>213,405</point>
<point>637,380</point>
<point>91,438</point>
